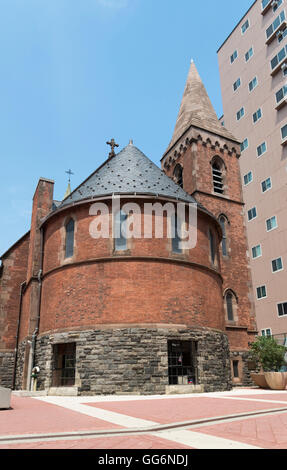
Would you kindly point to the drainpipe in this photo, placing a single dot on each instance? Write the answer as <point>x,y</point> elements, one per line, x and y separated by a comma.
<point>36,331</point>
<point>22,288</point>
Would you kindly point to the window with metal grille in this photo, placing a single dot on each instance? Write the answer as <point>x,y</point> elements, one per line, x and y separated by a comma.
<point>182,362</point>
<point>120,231</point>
<point>178,175</point>
<point>64,365</point>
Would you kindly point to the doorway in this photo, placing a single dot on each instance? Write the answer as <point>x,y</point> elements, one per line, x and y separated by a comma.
<point>64,365</point>
<point>182,364</point>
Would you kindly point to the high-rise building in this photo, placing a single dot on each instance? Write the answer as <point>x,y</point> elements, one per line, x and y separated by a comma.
<point>253,72</point>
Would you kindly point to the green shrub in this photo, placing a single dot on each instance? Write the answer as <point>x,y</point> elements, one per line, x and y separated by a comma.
<point>268,354</point>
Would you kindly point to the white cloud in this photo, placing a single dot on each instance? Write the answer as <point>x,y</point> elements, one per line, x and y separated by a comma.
<point>115,4</point>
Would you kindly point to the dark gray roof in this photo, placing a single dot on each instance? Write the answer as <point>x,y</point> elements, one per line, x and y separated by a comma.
<point>128,172</point>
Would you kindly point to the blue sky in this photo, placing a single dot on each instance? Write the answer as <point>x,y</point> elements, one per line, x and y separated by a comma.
<point>75,73</point>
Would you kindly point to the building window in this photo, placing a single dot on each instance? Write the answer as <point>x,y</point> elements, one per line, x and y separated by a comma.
<point>217,174</point>
<point>236,84</point>
<point>266,332</point>
<point>64,365</point>
<point>281,34</point>
<point>233,57</point>
<point>264,3</point>
<point>176,234</point>
<point>182,362</point>
<point>261,149</point>
<point>249,54</point>
<point>244,145</point>
<point>230,304</point>
<point>266,185</point>
<point>248,178</point>
<point>282,309</point>
<point>212,246</point>
<point>277,265</point>
<point>253,84</point>
<point>70,233</point>
<point>261,292</point>
<point>271,223</point>
<point>245,26</point>
<point>235,369</point>
<point>240,114</point>
<point>276,4</point>
<point>252,214</point>
<point>284,132</point>
<point>281,94</point>
<point>256,252</point>
<point>178,175</point>
<point>223,222</point>
<point>120,231</point>
<point>256,116</point>
<point>275,25</point>
<point>278,58</point>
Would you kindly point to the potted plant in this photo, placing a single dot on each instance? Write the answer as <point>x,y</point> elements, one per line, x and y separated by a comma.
<point>270,356</point>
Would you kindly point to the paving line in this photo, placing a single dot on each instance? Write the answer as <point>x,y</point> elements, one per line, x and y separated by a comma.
<point>174,432</point>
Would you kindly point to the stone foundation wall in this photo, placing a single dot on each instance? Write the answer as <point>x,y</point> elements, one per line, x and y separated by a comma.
<point>134,360</point>
<point>20,365</point>
<point>6,368</point>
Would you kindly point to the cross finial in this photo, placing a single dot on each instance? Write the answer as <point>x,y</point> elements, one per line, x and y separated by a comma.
<point>113,144</point>
<point>69,172</point>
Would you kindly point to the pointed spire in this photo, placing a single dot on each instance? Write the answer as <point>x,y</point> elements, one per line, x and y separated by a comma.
<point>68,191</point>
<point>196,109</point>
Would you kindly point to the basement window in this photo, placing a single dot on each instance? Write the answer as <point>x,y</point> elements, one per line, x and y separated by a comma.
<point>182,365</point>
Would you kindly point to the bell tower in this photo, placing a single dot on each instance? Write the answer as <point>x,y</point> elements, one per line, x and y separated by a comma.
<point>203,157</point>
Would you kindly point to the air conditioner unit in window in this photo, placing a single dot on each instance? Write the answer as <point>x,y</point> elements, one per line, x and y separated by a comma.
<point>274,3</point>
<point>283,66</point>
<point>279,33</point>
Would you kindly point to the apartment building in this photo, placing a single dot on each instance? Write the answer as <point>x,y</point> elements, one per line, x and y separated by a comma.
<point>253,72</point>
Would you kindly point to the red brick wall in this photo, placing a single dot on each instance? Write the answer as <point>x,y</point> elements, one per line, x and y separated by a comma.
<point>14,273</point>
<point>77,293</point>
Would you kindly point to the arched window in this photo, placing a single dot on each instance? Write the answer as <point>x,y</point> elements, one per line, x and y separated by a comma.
<point>178,175</point>
<point>231,305</point>
<point>120,231</point>
<point>70,233</point>
<point>176,231</point>
<point>212,246</point>
<point>217,175</point>
<point>223,222</point>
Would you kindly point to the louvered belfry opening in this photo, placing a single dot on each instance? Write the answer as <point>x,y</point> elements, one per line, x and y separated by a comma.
<point>217,178</point>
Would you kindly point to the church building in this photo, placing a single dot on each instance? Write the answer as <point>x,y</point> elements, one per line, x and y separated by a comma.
<point>140,315</point>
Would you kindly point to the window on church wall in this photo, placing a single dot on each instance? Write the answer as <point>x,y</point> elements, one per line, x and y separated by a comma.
<point>178,175</point>
<point>218,176</point>
<point>70,235</point>
<point>176,234</point>
<point>120,231</point>
<point>231,306</point>
<point>223,224</point>
<point>212,246</point>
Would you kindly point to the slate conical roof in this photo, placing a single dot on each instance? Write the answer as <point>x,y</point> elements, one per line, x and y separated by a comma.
<point>196,110</point>
<point>128,172</point>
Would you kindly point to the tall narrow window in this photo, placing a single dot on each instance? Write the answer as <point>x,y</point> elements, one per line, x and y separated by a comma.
<point>178,175</point>
<point>120,231</point>
<point>212,246</point>
<point>222,221</point>
<point>229,306</point>
<point>70,233</point>
<point>217,178</point>
<point>176,231</point>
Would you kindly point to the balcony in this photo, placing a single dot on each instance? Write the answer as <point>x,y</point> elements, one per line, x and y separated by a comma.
<point>276,32</point>
<point>281,65</point>
<point>281,103</point>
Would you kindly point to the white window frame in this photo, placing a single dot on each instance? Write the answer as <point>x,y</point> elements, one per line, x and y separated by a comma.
<point>281,303</point>
<point>243,32</point>
<point>246,139</point>
<point>250,57</point>
<point>265,330</point>
<point>233,55</point>
<point>259,256</point>
<point>249,182</point>
<point>278,270</point>
<point>258,119</point>
<point>253,218</point>
<point>260,287</point>
<point>274,228</point>
<point>250,91</point>
<point>263,153</point>
<point>234,91</point>
<point>241,115</point>
<point>269,189</point>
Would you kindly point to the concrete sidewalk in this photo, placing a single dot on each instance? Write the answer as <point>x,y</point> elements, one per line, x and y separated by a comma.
<point>240,419</point>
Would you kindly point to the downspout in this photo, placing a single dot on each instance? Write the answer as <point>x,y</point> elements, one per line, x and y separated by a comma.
<point>34,336</point>
<point>22,287</point>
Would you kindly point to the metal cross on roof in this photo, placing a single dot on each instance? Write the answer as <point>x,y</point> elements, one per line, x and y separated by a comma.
<point>113,144</point>
<point>69,172</point>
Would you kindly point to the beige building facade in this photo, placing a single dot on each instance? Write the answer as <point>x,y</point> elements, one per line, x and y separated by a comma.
<point>253,73</point>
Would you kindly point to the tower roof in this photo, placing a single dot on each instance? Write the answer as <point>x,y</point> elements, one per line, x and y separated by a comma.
<point>196,110</point>
<point>128,172</point>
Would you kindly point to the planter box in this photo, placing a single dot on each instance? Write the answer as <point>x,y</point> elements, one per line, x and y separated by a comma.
<point>5,398</point>
<point>276,380</point>
<point>259,380</point>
